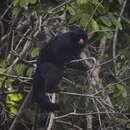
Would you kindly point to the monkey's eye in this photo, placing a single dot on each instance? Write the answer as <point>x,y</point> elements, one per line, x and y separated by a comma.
<point>81,42</point>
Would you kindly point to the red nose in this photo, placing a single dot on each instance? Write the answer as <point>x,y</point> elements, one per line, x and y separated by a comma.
<point>81,42</point>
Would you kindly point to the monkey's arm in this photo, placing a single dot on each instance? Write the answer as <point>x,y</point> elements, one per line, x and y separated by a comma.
<point>78,65</point>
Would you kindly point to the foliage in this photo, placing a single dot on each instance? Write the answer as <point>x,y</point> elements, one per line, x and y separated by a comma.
<point>32,22</point>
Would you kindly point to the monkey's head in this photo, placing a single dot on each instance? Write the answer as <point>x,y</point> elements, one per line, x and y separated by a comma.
<point>71,43</point>
<point>80,35</point>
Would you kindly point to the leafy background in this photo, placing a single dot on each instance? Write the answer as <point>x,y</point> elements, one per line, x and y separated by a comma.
<point>97,99</point>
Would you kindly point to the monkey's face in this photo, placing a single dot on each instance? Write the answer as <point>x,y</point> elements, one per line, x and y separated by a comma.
<point>80,36</point>
<point>81,40</point>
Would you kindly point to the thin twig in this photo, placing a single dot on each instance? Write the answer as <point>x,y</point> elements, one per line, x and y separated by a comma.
<point>93,14</point>
<point>116,33</point>
<point>90,113</point>
<point>109,85</point>
<point>52,115</point>
<point>6,11</point>
<point>69,124</point>
<point>14,76</point>
<point>77,94</point>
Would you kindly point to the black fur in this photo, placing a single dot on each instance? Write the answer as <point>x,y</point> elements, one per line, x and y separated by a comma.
<point>51,63</point>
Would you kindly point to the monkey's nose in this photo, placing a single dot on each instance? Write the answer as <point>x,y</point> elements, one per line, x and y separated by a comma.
<point>81,41</point>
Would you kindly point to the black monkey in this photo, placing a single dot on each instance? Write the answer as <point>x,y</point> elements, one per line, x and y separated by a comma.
<point>52,61</point>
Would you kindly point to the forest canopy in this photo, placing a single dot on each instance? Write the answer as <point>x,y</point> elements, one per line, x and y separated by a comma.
<point>96,99</point>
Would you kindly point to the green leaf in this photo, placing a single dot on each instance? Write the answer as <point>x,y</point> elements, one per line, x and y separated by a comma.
<point>30,72</point>
<point>13,101</point>
<point>2,70</point>
<point>34,52</point>
<point>126,19</point>
<point>109,35</point>
<point>94,25</point>
<point>100,8</point>
<point>120,1</point>
<point>82,2</point>
<point>119,25</point>
<point>122,90</point>
<point>124,94</point>
<point>19,69</point>
<point>71,10</point>
<point>116,22</point>
<point>24,3</point>
<point>84,18</point>
<point>13,110</point>
<point>106,21</point>
<point>120,87</point>
<point>9,83</point>
<point>113,19</point>
<point>128,125</point>
<point>33,1</point>
<point>15,97</point>
<point>95,2</point>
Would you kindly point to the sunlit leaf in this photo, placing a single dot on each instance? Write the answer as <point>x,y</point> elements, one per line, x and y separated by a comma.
<point>94,24</point>
<point>84,19</point>
<point>19,68</point>
<point>13,110</point>
<point>23,3</point>
<point>106,21</point>
<point>15,97</point>
<point>81,2</point>
<point>30,72</point>
<point>2,70</point>
<point>34,52</point>
<point>71,10</point>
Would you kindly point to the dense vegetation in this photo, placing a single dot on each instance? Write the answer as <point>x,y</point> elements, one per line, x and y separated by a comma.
<point>98,99</point>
